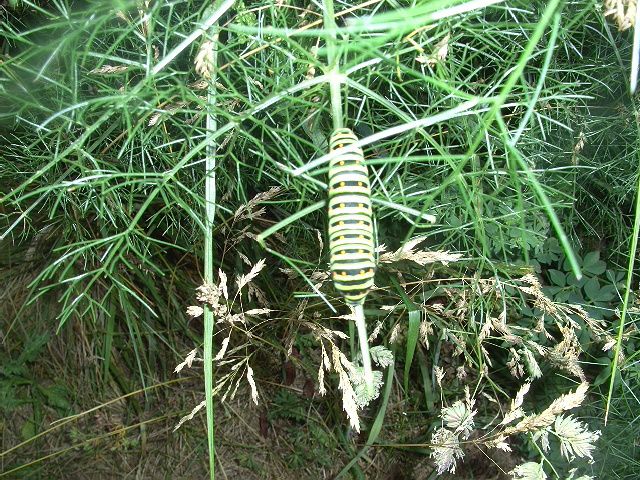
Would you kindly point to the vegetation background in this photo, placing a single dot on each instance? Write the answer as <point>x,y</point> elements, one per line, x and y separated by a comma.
<point>510,122</point>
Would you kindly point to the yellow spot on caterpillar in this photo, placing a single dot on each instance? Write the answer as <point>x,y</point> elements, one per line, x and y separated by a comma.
<point>342,252</point>
<point>360,251</point>
<point>360,205</point>
<point>342,205</point>
<point>341,237</point>
<point>361,272</point>
<point>341,163</point>
<point>360,236</point>
<point>360,184</point>
<point>340,222</point>
<point>344,273</point>
<point>360,222</point>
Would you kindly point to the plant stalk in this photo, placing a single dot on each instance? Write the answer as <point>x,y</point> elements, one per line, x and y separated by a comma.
<point>633,250</point>
<point>333,63</point>
<point>361,326</point>
<point>210,211</point>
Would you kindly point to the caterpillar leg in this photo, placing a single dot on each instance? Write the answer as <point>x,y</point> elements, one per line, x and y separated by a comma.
<point>358,312</point>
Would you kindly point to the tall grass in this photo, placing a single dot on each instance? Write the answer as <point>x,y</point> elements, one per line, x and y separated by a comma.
<point>488,126</point>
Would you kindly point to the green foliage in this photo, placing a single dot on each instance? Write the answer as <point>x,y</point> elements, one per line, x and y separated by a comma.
<point>619,457</point>
<point>597,290</point>
<point>311,440</point>
<point>20,388</point>
<point>510,122</point>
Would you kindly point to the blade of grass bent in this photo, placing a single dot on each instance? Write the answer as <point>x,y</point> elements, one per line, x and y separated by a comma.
<point>412,341</point>
<point>415,16</point>
<point>465,108</point>
<point>543,74</point>
<point>498,103</point>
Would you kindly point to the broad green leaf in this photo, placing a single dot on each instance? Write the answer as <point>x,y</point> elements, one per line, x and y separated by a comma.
<point>591,259</point>
<point>558,278</point>
<point>57,396</point>
<point>593,265</point>
<point>28,429</point>
<point>592,288</point>
<point>552,291</point>
<point>575,298</point>
<point>603,376</point>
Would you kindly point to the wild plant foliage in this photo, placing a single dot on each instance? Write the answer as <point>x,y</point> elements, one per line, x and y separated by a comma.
<point>141,140</point>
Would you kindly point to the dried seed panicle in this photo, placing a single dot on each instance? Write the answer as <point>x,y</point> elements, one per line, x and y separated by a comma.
<point>623,12</point>
<point>188,361</point>
<point>204,59</point>
<point>109,69</point>
<point>248,210</point>
<point>243,280</point>
<point>421,257</point>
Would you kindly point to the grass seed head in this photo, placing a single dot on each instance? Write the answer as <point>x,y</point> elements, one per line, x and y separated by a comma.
<point>623,12</point>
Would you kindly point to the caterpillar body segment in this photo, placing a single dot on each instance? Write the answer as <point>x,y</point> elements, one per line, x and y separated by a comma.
<point>351,234</point>
<point>350,220</point>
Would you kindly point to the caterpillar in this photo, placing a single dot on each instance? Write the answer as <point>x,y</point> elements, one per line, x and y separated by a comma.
<point>351,247</point>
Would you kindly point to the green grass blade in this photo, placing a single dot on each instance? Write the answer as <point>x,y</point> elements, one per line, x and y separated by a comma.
<point>633,250</point>
<point>402,20</point>
<point>412,332</point>
<point>429,396</point>
<point>210,211</point>
<point>404,209</point>
<point>543,75</point>
<point>412,341</point>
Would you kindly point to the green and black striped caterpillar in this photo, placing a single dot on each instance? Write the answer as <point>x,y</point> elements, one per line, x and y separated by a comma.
<point>351,243</point>
<point>350,220</point>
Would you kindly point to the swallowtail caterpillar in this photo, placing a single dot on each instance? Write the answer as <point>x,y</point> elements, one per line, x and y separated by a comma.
<point>351,233</point>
